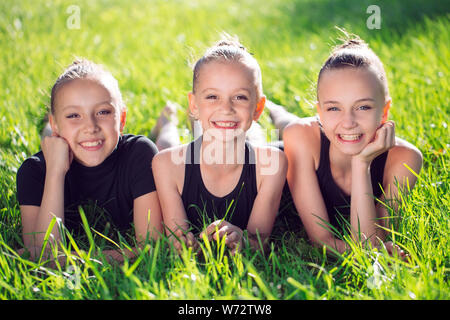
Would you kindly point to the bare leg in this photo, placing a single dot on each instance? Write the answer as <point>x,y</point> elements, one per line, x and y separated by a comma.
<point>47,131</point>
<point>165,131</point>
<point>280,117</point>
<point>196,127</point>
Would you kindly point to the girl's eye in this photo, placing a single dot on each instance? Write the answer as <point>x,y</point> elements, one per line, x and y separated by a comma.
<point>72,116</point>
<point>241,97</point>
<point>211,97</point>
<point>104,112</point>
<point>332,109</point>
<point>364,107</point>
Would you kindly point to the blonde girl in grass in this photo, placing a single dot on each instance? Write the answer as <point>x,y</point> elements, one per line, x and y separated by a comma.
<point>347,162</point>
<point>87,159</point>
<point>220,185</point>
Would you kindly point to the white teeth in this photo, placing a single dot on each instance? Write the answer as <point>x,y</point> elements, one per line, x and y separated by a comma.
<point>91,143</point>
<point>350,137</point>
<point>226,124</point>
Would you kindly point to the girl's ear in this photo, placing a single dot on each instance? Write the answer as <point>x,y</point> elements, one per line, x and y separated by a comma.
<point>259,108</point>
<point>193,110</point>
<point>386,108</point>
<point>53,125</point>
<point>319,111</point>
<point>123,119</point>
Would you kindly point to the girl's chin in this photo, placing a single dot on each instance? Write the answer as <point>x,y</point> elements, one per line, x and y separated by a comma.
<point>89,161</point>
<point>351,150</point>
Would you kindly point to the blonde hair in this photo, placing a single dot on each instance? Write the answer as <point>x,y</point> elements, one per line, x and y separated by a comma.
<point>229,49</point>
<point>85,69</point>
<point>355,53</point>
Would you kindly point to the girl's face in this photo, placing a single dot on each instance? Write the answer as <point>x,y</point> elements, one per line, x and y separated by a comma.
<point>87,119</point>
<point>351,106</point>
<point>226,98</point>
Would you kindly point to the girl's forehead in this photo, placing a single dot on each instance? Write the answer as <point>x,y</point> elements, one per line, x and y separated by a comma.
<point>220,71</point>
<point>350,83</point>
<point>80,92</point>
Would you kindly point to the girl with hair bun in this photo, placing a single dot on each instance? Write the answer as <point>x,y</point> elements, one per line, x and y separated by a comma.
<point>220,185</point>
<point>346,163</point>
<point>86,160</point>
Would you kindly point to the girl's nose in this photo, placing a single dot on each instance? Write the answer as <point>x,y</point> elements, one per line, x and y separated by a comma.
<point>349,120</point>
<point>91,125</point>
<point>227,106</point>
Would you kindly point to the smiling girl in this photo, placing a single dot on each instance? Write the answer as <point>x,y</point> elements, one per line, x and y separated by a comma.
<point>342,161</point>
<point>221,185</point>
<point>87,158</point>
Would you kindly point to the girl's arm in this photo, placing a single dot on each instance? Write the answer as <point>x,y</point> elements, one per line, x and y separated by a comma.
<point>58,157</point>
<point>166,173</point>
<point>364,219</point>
<point>271,166</point>
<point>147,217</point>
<point>368,219</point>
<point>396,174</point>
<point>301,142</point>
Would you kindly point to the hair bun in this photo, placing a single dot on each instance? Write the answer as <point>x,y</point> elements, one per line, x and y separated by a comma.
<point>350,41</point>
<point>353,43</point>
<point>231,41</point>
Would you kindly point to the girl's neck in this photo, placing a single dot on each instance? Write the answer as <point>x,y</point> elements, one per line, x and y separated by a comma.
<point>340,161</point>
<point>223,155</point>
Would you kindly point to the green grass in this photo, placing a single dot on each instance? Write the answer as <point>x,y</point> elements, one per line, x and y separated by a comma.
<point>148,46</point>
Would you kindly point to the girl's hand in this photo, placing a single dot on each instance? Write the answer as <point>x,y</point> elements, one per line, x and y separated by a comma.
<point>391,248</point>
<point>57,154</point>
<point>180,236</point>
<point>383,141</point>
<point>219,229</point>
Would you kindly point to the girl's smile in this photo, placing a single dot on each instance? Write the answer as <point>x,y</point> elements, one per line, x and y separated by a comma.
<point>350,138</point>
<point>92,145</point>
<point>225,124</point>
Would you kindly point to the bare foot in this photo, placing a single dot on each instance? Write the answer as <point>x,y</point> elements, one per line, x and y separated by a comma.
<point>280,117</point>
<point>168,114</point>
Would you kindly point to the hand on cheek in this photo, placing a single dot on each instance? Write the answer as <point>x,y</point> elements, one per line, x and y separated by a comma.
<point>57,153</point>
<point>383,140</point>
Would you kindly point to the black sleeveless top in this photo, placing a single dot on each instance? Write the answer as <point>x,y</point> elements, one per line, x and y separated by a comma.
<point>202,207</point>
<point>336,201</point>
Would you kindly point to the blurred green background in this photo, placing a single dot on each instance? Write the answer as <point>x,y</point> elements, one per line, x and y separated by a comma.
<point>149,47</point>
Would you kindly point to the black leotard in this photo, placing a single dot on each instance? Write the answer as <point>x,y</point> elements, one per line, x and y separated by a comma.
<point>202,207</point>
<point>336,201</point>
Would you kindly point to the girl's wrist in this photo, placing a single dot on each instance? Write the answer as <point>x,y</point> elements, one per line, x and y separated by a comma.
<point>360,164</point>
<point>55,174</point>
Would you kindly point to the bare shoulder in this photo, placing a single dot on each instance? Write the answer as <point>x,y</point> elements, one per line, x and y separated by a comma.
<point>173,156</point>
<point>302,124</point>
<point>265,155</point>
<point>403,153</point>
<point>271,166</point>
<point>304,131</point>
<point>168,165</point>
<point>302,139</point>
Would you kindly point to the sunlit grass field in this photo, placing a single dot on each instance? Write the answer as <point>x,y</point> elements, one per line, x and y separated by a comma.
<point>149,47</point>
